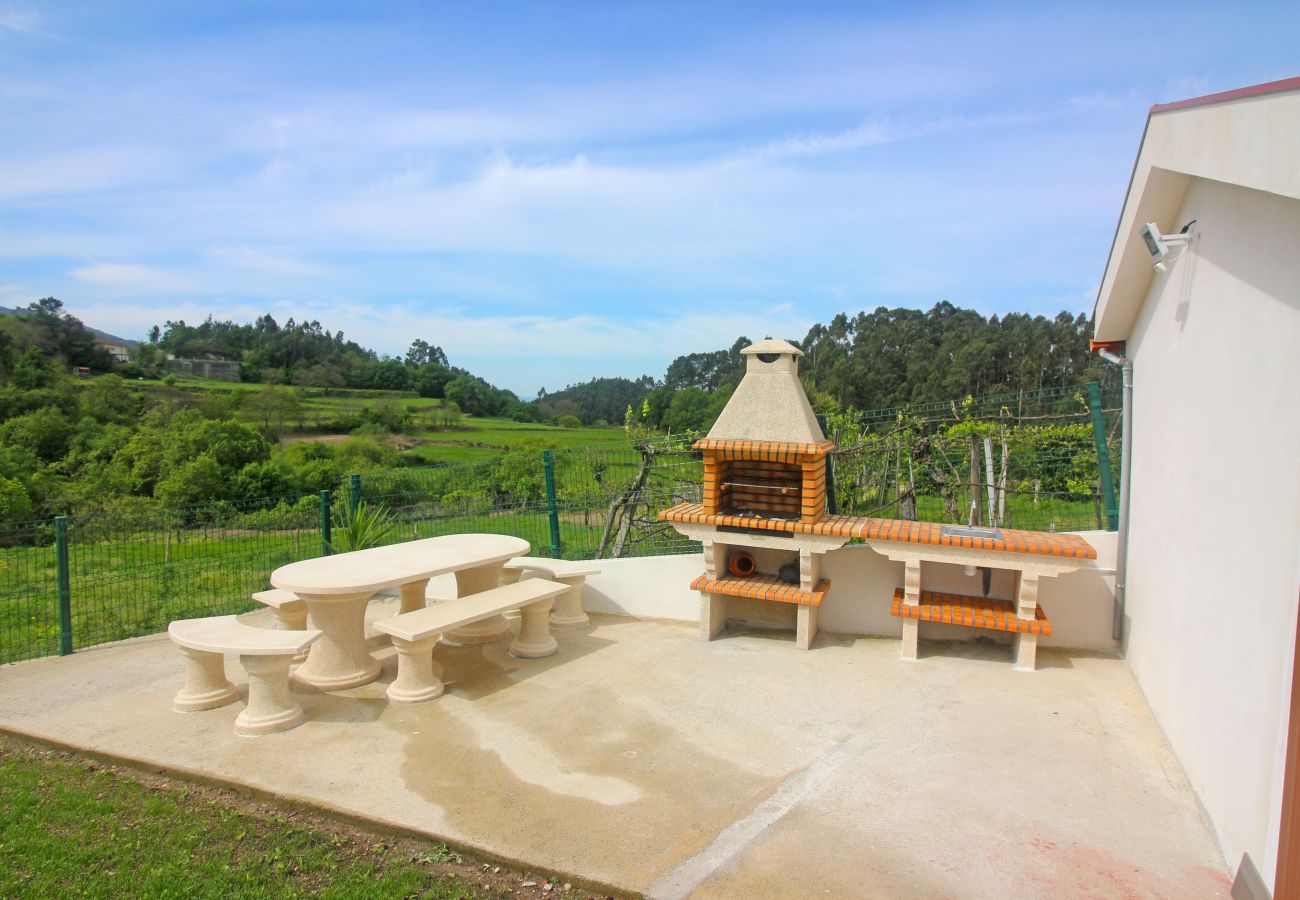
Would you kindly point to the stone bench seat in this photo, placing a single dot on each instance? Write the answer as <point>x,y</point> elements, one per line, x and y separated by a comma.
<point>265,654</point>
<point>415,633</point>
<point>568,611</point>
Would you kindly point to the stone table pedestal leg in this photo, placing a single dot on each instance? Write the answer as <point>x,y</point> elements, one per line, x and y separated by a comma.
<point>338,659</point>
<point>206,686</point>
<point>472,581</point>
<point>534,639</point>
<point>270,705</point>
<point>413,596</point>
<point>568,606</point>
<point>415,680</point>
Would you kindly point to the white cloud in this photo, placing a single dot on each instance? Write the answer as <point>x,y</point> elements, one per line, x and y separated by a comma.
<point>132,277</point>
<point>276,262</point>
<point>20,21</point>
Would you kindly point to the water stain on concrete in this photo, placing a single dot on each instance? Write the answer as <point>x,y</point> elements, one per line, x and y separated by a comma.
<point>590,784</point>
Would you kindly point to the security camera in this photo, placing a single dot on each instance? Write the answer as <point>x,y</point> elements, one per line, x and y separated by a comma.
<point>1158,244</point>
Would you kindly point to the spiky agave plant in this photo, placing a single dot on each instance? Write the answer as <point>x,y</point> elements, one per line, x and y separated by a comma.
<point>362,528</point>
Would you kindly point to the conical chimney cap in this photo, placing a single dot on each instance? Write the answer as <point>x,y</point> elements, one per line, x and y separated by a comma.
<point>769,403</point>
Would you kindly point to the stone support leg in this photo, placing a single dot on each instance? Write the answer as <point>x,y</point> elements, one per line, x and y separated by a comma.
<point>415,680</point>
<point>535,639</point>
<point>806,627</point>
<point>1025,647</point>
<point>568,606</point>
<point>270,705</point>
<point>338,659</point>
<point>911,631</point>
<point>713,615</point>
<point>509,576</point>
<point>472,581</point>
<point>912,597</point>
<point>206,686</point>
<point>413,595</point>
<point>292,617</point>
<point>714,564</point>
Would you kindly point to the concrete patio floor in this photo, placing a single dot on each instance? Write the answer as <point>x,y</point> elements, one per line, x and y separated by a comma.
<point>645,761</point>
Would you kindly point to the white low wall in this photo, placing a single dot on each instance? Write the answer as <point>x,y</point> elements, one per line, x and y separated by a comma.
<point>1079,605</point>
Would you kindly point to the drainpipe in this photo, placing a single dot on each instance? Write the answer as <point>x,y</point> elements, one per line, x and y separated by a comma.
<point>1125,468</point>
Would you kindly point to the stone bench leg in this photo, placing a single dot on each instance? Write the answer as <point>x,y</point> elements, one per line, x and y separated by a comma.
<point>1025,647</point>
<point>911,631</point>
<point>534,640</point>
<point>206,686</point>
<point>415,680</point>
<point>568,606</point>
<point>292,617</point>
<point>270,705</point>
<point>912,597</point>
<point>805,627</point>
<point>713,615</point>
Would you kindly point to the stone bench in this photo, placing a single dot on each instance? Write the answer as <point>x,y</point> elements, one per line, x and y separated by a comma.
<point>415,633</point>
<point>265,654</point>
<point>290,612</point>
<point>568,611</point>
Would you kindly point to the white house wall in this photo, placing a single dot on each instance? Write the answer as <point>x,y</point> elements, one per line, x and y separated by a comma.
<point>1215,530</point>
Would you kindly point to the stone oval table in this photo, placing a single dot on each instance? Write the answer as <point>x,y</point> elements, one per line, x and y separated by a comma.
<point>337,588</point>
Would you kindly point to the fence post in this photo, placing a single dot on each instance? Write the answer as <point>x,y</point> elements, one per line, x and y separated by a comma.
<point>552,510</point>
<point>354,498</point>
<point>1103,455</point>
<point>64,583</point>
<point>325,523</point>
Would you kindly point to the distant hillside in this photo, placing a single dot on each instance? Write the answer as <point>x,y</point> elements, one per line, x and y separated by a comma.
<point>7,311</point>
<point>601,399</point>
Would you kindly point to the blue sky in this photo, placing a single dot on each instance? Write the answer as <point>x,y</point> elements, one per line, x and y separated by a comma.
<point>555,192</point>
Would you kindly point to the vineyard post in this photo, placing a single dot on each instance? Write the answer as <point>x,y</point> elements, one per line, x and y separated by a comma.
<point>1103,455</point>
<point>552,508</point>
<point>324,523</point>
<point>64,585</point>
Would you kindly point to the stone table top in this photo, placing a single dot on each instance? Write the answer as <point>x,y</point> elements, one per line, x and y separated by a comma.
<point>363,571</point>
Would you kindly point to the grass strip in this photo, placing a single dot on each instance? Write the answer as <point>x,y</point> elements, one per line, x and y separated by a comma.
<point>72,827</point>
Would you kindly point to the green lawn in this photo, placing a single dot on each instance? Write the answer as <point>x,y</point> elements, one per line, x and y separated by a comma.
<point>70,827</point>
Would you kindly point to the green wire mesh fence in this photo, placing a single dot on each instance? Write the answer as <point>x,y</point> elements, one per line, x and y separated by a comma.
<point>1027,461</point>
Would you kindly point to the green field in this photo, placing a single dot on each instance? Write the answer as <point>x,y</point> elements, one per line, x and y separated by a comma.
<point>474,439</point>
<point>484,438</point>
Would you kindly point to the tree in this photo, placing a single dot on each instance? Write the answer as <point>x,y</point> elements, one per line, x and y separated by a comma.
<point>273,407</point>
<point>691,409</point>
<point>430,380</point>
<point>390,375</point>
<point>469,394</point>
<point>46,431</point>
<point>421,353</point>
<point>199,480</point>
<point>15,504</point>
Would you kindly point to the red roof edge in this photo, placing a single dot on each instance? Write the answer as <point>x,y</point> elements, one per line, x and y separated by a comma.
<point>1270,87</point>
